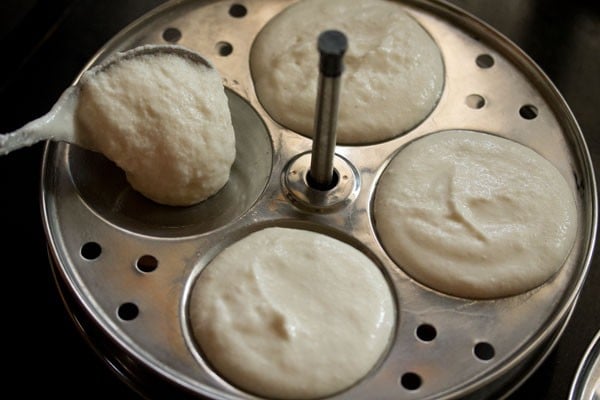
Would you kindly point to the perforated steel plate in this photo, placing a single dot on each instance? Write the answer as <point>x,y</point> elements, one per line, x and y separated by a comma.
<point>125,265</point>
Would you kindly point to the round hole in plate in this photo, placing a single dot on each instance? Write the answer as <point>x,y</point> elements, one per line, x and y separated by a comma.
<point>528,111</point>
<point>484,61</point>
<point>335,179</point>
<point>238,10</point>
<point>171,35</point>
<point>91,250</point>
<point>484,351</point>
<point>224,48</point>
<point>411,381</point>
<point>105,190</point>
<point>147,263</point>
<point>475,101</point>
<point>128,311</point>
<point>426,332</point>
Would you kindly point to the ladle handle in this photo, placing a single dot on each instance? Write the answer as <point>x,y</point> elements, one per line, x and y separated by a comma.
<point>57,124</point>
<point>332,46</point>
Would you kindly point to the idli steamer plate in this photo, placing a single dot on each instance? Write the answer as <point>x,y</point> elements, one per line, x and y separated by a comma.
<point>124,265</point>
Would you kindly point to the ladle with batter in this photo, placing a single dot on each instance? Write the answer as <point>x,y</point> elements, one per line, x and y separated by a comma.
<point>164,120</point>
<point>59,123</point>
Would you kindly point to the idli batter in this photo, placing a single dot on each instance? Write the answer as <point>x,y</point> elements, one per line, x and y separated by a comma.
<point>289,313</point>
<point>393,74</point>
<point>475,215</point>
<point>163,119</point>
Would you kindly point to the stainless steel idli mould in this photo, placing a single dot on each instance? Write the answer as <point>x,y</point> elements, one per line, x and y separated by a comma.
<point>125,265</point>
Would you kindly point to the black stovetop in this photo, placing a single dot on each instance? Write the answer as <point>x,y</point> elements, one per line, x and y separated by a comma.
<point>46,43</point>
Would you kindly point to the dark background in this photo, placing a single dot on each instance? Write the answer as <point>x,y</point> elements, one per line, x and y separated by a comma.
<point>45,44</point>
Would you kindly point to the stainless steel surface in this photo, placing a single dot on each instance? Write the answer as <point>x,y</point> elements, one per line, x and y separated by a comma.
<point>321,172</point>
<point>323,148</point>
<point>86,200</point>
<point>586,383</point>
<point>297,188</point>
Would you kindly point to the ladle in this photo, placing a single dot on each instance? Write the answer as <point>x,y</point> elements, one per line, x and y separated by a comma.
<point>59,123</point>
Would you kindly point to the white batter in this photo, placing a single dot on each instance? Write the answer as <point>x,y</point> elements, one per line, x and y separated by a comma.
<point>165,121</point>
<point>475,215</point>
<point>393,77</point>
<point>288,313</point>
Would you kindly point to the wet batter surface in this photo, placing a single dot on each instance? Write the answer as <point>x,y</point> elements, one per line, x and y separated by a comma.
<point>288,313</point>
<point>475,215</point>
<point>165,121</point>
<point>393,75</point>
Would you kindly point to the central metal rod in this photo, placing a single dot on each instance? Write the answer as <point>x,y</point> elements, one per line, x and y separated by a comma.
<point>332,45</point>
